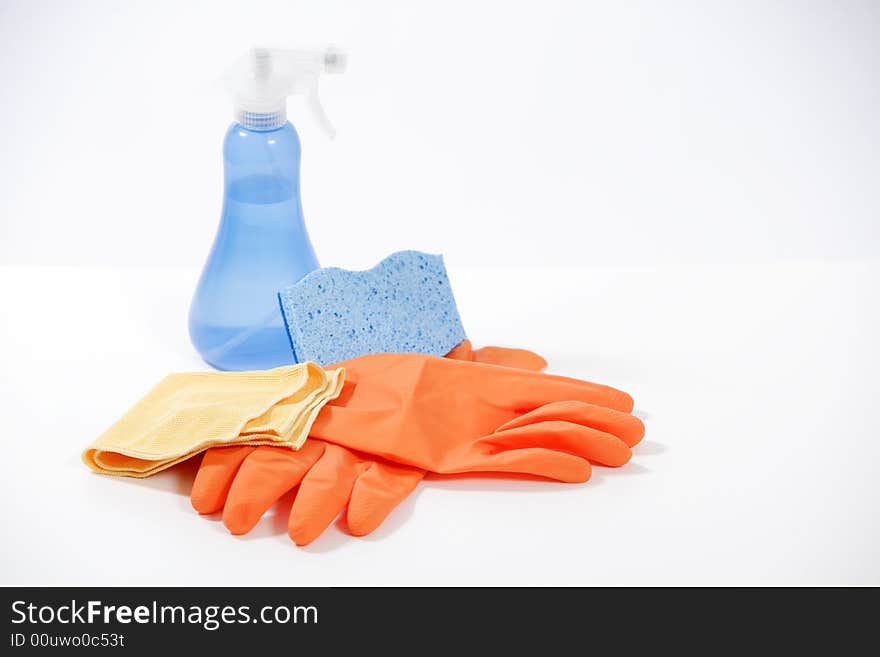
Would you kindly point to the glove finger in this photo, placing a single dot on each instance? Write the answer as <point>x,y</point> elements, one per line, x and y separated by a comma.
<point>215,476</point>
<point>377,492</point>
<point>263,478</point>
<point>594,445</point>
<point>537,461</point>
<point>323,494</point>
<point>520,358</point>
<point>462,351</point>
<point>628,428</point>
<point>530,390</point>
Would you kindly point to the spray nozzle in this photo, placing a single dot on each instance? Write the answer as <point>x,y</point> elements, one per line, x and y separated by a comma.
<point>261,81</point>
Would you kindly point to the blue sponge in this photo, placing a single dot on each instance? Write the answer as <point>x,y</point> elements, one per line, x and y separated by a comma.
<point>403,304</point>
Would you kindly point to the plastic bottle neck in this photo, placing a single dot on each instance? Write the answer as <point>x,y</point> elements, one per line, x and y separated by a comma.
<point>261,121</point>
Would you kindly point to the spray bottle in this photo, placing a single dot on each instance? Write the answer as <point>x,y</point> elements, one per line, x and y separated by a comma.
<point>261,245</point>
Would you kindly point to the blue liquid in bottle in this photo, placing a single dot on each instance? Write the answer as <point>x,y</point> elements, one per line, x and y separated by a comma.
<point>261,246</point>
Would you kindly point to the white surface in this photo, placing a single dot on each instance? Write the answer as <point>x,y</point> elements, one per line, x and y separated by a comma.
<point>757,384</point>
<point>573,132</point>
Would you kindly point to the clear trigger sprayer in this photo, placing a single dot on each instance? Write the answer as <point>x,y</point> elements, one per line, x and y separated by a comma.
<point>262,244</point>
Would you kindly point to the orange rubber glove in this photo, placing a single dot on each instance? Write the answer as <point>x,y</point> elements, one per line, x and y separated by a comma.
<point>519,358</point>
<point>449,416</point>
<point>245,481</point>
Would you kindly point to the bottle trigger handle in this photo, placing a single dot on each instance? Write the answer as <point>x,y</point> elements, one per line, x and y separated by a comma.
<point>314,104</point>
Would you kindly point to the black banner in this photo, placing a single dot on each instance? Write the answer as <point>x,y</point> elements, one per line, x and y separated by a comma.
<point>405,620</point>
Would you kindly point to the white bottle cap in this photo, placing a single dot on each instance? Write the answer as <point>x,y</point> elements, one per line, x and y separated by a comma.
<point>261,81</point>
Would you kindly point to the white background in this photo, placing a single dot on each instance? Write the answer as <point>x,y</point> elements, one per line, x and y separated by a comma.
<point>494,133</point>
<point>680,199</point>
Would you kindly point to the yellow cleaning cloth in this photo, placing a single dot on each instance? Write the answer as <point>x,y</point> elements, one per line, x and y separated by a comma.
<point>188,413</point>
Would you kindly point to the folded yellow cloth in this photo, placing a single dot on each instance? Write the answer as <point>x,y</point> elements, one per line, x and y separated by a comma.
<point>187,413</point>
